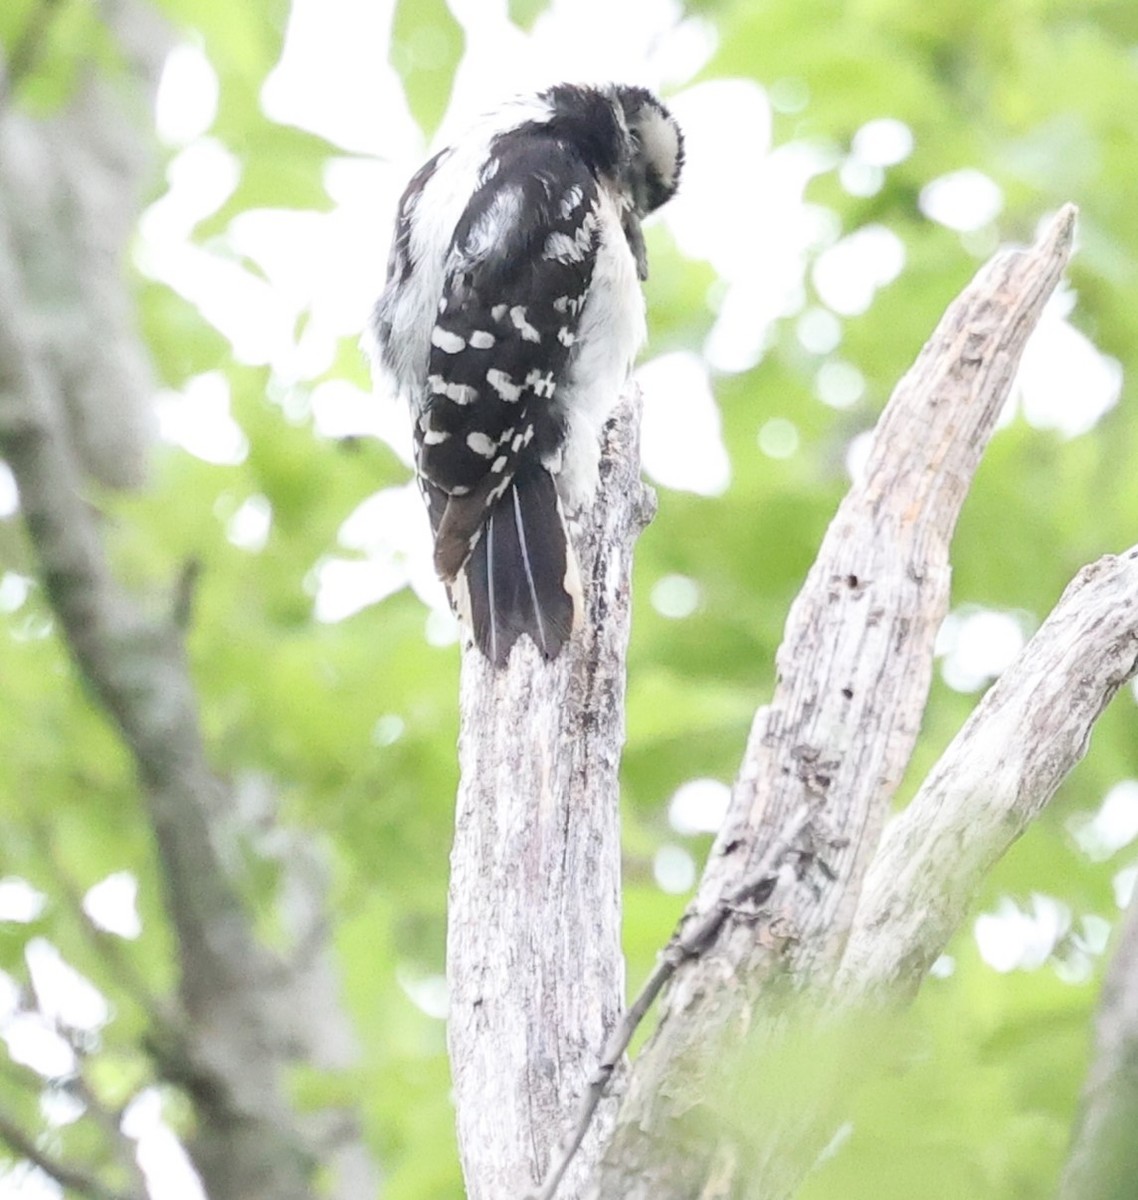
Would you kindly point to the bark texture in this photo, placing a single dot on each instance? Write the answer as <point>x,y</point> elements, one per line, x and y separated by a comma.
<point>1026,735</point>
<point>533,956</point>
<point>826,755</point>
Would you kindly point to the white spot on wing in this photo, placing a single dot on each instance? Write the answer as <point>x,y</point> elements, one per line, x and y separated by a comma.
<point>481,340</point>
<point>518,317</point>
<point>434,437</point>
<point>460,393</point>
<point>503,385</point>
<point>481,444</point>
<point>543,385</point>
<point>449,343</point>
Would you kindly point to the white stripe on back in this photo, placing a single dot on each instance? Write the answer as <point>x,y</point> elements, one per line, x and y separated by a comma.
<point>490,585</point>
<point>529,570</point>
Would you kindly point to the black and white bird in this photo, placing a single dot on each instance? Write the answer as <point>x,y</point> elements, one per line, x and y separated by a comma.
<point>509,323</point>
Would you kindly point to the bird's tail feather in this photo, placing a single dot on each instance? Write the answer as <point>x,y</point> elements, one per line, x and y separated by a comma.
<point>521,576</point>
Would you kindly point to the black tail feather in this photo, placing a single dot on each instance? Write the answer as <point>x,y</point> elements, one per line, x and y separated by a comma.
<point>521,576</point>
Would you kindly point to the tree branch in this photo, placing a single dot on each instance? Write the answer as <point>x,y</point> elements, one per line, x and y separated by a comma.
<point>106,946</point>
<point>686,944</point>
<point>1103,1162</point>
<point>853,677</point>
<point>533,956</point>
<point>1017,747</point>
<point>83,1182</point>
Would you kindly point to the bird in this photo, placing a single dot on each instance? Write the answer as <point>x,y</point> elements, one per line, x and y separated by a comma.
<point>509,322</point>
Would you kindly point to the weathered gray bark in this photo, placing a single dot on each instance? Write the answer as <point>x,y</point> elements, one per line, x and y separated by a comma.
<point>1025,736</point>
<point>243,1016</point>
<point>533,957</point>
<point>825,757</point>
<point>1103,1163</point>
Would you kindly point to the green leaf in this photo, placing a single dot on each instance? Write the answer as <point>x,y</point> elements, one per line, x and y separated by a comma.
<point>426,46</point>
<point>524,13</point>
<point>49,45</point>
<point>282,167</point>
<point>181,343</point>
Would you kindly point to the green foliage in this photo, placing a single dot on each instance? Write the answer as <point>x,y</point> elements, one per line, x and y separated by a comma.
<point>243,42</point>
<point>426,45</point>
<point>276,171</point>
<point>47,47</point>
<point>525,12</point>
<point>354,723</point>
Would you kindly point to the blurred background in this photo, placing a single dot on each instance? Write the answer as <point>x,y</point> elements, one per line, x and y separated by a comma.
<point>850,166</point>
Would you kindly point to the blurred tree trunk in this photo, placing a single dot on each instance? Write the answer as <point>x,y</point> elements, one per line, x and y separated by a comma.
<point>75,406</point>
<point>1103,1164</point>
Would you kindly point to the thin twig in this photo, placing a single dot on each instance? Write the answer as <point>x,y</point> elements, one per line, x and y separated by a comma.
<point>106,946</point>
<point>63,1173</point>
<point>186,592</point>
<point>685,944</point>
<point>109,1121</point>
